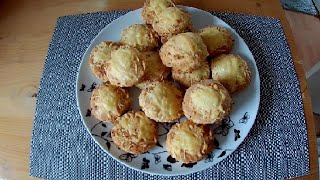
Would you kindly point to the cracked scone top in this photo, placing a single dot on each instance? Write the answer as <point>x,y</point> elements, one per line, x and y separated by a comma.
<point>231,71</point>
<point>217,39</point>
<point>152,8</point>
<point>185,50</point>
<point>109,102</point>
<point>207,102</point>
<point>161,101</point>
<point>189,142</point>
<point>126,67</point>
<point>172,21</point>
<point>135,133</point>
<point>99,57</point>
<point>155,70</point>
<point>140,36</point>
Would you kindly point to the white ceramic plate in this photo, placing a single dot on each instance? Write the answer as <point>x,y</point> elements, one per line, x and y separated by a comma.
<point>157,161</point>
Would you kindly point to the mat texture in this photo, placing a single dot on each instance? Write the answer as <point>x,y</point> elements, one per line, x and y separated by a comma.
<point>276,147</point>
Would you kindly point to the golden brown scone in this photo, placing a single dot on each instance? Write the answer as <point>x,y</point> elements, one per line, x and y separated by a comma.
<point>109,102</point>
<point>135,133</point>
<point>140,36</point>
<point>152,8</point>
<point>185,50</point>
<point>218,40</point>
<point>126,67</point>
<point>161,101</point>
<point>196,75</point>
<point>231,71</point>
<point>172,21</point>
<point>207,102</point>
<point>99,57</point>
<point>189,142</point>
<point>155,70</point>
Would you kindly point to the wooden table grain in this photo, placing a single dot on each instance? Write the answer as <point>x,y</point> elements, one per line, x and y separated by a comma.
<point>25,33</point>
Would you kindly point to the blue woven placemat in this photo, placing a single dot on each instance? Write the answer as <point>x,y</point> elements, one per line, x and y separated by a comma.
<point>276,147</point>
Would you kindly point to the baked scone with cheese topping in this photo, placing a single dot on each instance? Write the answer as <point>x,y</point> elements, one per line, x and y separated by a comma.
<point>108,102</point>
<point>126,67</point>
<point>196,75</point>
<point>189,142</point>
<point>140,36</point>
<point>152,8</point>
<point>161,101</point>
<point>99,57</point>
<point>207,102</point>
<point>232,71</point>
<point>172,21</point>
<point>185,50</point>
<point>155,70</point>
<point>135,133</point>
<point>217,39</point>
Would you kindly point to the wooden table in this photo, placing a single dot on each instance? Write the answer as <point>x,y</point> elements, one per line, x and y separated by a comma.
<point>26,30</point>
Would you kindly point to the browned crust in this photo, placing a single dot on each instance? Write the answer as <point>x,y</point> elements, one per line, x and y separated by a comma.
<point>158,73</point>
<point>99,70</point>
<point>183,77</point>
<point>183,25</point>
<point>224,48</point>
<point>204,134</point>
<point>149,16</point>
<point>123,106</point>
<point>197,117</point>
<point>129,141</point>
<point>153,111</point>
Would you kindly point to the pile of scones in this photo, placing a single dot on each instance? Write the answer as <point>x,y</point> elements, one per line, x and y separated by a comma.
<point>181,71</point>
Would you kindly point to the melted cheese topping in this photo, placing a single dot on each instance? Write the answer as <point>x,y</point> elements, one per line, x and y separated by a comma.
<point>190,43</point>
<point>125,65</point>
<point>187,141</point>
<point>139,35</point>
<point>101,53</point>
<point>157,6</point>
<point>214,38</point>
<point>154,66</point>
<point>164,97</point>
<point>137,124</point>
<point>108,99</point>
<point>207,99</point>
<point>171,19</point>
<point>189,47</point>
<point>196,75</point>
<point>230,70</point>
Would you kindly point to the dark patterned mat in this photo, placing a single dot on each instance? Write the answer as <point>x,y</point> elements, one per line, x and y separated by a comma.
<point>276,147</point>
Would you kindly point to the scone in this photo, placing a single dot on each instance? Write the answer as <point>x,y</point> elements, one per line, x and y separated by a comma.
<point>126,67</point>
<point>188,78</point>
<point>185,50</point>
<point>155,70</point>
<point>109,102</point>
<point>140,36</point>
<point>189,142</point>
<point>161,101</point>
<point>152,8</point>
<point>135,133</point>
<point>172,21</point>
<point>207,102</point>
<point>231,71</point>
<point>99,57</point>
<point>218,40</point>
